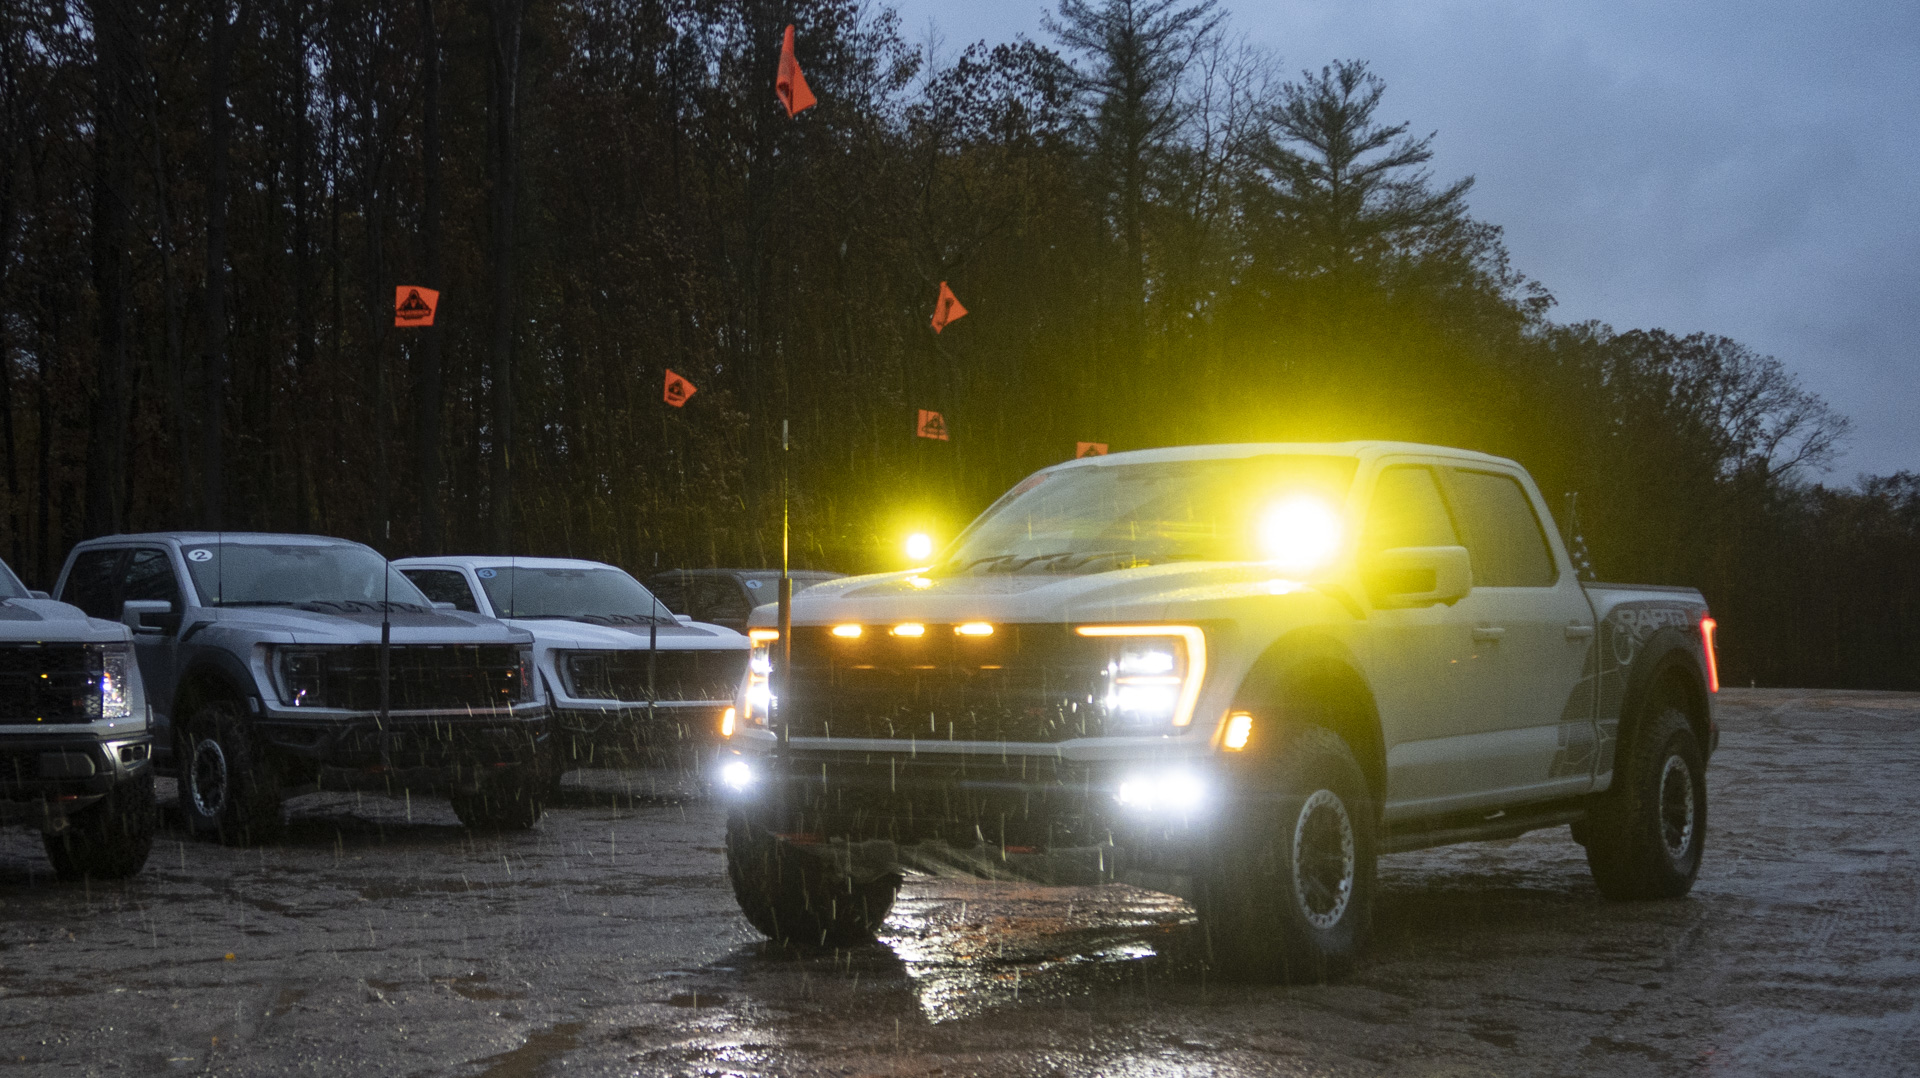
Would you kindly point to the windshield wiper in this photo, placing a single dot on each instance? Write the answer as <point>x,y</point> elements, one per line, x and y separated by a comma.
<point>622,619</point>
<point>257,602</point>
<point>359,606</point>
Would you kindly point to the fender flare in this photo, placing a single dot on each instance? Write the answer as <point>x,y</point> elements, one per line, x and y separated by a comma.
<point>1312,664</point>
<point>1669,654</point>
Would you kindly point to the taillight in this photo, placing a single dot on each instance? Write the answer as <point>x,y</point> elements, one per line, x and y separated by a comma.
<point>1707,627</point>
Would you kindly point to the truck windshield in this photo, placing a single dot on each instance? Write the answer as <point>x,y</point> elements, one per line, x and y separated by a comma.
<point>269,574</point>
<point>1120,516</point>
<point>605,594</point>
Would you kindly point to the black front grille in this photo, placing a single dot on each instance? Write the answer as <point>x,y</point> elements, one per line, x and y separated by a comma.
<point>422,677</point>
<point>1025,683</point>
<point>675,675</point>
<point>49,683</point>
<point>1035,801</point>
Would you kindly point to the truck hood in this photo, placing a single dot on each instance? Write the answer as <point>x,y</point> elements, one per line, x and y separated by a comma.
<point>1146,593</point>
<point>35,620</point>
<point>293,625</point>
<point>589,636</point>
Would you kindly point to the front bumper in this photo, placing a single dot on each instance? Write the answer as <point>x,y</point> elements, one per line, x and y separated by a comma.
<point>44,776</point>
<point>1029,817</point>
<point>425,746</point>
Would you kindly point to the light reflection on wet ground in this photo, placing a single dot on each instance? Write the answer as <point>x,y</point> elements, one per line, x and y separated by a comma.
<point>380,937</point>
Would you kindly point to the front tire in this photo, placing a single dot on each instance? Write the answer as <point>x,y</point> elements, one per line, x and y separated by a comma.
<point>1646,835</point>
<point>110,839</point>
<point>1286,892</point>
<point>503,804</point>
<point>797,899</point>
<point>228,788</point>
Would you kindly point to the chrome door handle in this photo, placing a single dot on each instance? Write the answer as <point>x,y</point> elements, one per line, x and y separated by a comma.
<point>1577,631</point>
<point>1488,633</point>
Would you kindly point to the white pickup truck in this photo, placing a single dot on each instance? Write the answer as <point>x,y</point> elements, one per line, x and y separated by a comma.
<point>1236,673</point>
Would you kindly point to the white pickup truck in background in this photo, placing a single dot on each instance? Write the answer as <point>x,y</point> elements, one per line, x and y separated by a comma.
<point>1236,673</point>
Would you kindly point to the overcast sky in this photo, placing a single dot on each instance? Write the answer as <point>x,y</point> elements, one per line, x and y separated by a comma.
<point>1742,167</point>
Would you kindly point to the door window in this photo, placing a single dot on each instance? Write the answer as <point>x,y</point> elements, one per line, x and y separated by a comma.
<point>149,575</point>
<point>1502,533</point>
<point>1407,511</point>
<point>90,583</point>
<point>445,586</point>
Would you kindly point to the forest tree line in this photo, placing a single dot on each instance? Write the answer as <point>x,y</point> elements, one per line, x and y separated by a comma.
<point>1162,236</point>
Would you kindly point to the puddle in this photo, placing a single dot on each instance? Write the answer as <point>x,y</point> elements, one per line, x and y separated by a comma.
<point>531,1059</point>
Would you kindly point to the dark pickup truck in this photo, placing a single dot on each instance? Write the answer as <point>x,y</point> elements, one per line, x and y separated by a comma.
<point>74,758</point>
<point>264,658</point>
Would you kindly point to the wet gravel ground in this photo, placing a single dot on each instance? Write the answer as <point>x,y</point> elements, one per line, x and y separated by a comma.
<point>380,938</point>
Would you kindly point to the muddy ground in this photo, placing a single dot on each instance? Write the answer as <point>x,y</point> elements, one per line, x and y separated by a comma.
<point>380,938</point>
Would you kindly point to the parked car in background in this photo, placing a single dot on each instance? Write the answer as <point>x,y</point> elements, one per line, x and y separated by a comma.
<point>727,596</point>
<point>75,752</point>
<point>282,663</point>
<point>631,683</point>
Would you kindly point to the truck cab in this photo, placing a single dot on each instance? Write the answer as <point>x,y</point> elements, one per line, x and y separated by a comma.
<point>1235,673</point>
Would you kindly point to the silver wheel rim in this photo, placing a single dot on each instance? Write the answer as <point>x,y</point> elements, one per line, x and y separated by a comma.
<point>1676,807</point>
<point>207,783</point>
<point>1323,861</point>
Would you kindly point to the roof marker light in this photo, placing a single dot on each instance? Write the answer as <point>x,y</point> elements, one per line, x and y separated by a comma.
<point>973,628</point>
<point>847,632</point>
<point>910,628</point>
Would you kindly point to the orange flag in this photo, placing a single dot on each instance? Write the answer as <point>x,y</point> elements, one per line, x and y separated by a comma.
<point>790,86</point>
<point>932,425</point>
<point>1089,449</point>
<point>946,309</point>
<point>679,390</point>
<point>413,305</point>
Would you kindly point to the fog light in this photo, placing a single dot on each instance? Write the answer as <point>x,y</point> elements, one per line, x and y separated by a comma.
<point>1178,791</point>
<point>737,775</point>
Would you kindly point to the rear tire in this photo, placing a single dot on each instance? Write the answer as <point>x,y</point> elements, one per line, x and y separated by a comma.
<point>503,804</point>
<point>797,899</point>
<point>109,839</point>
<point>1646,834</point>
<point>228,788</point>
<point>1286,890</point>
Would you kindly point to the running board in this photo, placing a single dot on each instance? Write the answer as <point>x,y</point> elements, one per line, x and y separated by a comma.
<point>1480,827</point>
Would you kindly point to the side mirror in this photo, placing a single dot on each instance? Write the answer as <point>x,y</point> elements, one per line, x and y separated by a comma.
<point>38,594</point>
<point>684,619</point>
<point>149,616</point>
<point>1418,576</point>
<point>445,606</point>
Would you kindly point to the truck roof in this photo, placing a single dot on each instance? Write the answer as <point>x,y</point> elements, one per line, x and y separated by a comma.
<point>496,561</point>
<point>1360,449</point>
<point>191,537</point>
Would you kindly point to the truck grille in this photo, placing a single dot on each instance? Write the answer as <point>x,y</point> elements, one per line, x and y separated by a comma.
<point>677,675</point>
<point>1025,683</point>
<point>469,677</point>
<point>49,683</point>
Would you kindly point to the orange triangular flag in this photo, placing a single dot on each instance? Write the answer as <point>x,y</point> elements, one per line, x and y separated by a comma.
<point>932,425</point>
<point>1089,449</point>
<point>946,309</point>
<point>678,390</point>
<point>413,305</point>
<point>790,86</point>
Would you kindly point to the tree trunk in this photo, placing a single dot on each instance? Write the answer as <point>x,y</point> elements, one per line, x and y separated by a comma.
<point>503,106</point>
<point>426,352</point>
<point>214,358</point>
<point>107,422</point>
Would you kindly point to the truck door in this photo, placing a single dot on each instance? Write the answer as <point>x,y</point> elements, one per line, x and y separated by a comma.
<point>1535,617</point>
<point>148,573</point>
<point>1428,675</point>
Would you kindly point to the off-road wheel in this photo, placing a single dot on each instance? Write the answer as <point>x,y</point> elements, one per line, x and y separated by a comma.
<point>509,803</point>
<point>798,899</point>
<point>1645,835</point>
<point>228,787</point>
<point>1285,890</point>
<point>109,839</point>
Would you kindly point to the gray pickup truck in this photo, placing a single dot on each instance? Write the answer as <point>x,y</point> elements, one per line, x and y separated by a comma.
<point>282,663</point>
<point>74,748</point>
<point>1235,673</point>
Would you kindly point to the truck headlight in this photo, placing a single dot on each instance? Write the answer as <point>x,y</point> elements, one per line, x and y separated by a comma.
<point>758,701</point>
<point>303,678</point>
<point>1152,675</point>
<point>112,673</point>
